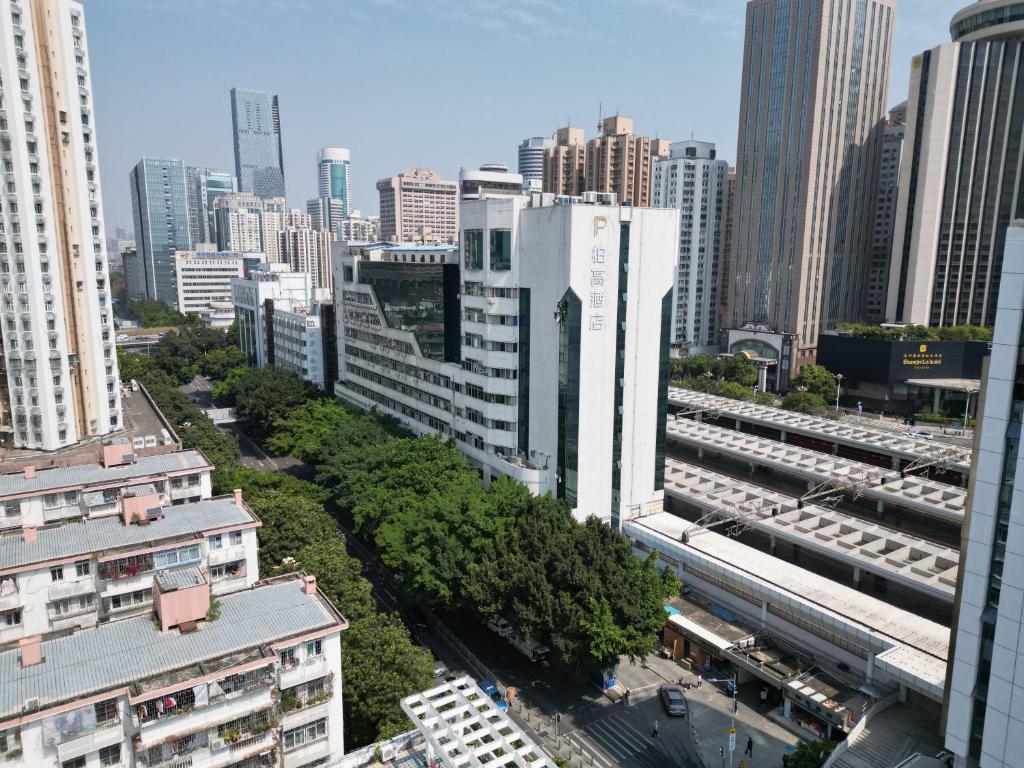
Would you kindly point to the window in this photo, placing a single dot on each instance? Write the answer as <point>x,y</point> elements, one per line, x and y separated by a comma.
<point>175,557</point>
<point>288,659</point>
<point>110,756</point>
<point>106,711</point>
<point>82,568</point>
<point>314,648</point>
<point>215,541</point>
<point>305,734</point>
<point>78,762</point>
<point>57,573</point>
<point>473,250</point>
<point>236,538</point>
<point>501,249</point>
<point>10,619</point>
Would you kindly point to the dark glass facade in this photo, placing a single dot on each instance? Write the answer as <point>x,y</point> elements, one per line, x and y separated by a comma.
<point>620,370</point>
<point>259,160</point>
<point>473,248</point>
<point>422,298</point>
<point>501,249</point>
<point>524,371</point>
<point>664,369</point>
<point>570,311</point>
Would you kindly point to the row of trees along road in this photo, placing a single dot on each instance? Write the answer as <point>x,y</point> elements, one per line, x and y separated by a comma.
<point>455,546</point>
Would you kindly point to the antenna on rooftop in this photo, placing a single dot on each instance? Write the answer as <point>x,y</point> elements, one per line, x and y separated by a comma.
<point>600,113</point>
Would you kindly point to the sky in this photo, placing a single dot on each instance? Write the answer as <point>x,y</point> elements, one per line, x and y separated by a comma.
<point>441,84</point>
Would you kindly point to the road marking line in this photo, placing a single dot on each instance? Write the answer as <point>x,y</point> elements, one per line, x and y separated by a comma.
<point>627,739</point>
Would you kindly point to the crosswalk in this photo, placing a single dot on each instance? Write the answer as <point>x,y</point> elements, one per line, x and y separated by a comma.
<point>620,740</point>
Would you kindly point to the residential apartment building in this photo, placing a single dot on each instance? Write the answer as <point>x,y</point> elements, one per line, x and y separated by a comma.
<point>984,726</point>
<point>160,210</point>
<point>465,344</point>
<point>306,249</point>
<point>256,133</point>
<point>58,382</point>
<point>418,205</point>
<point>205,185</point>
<point>615,161</point>
<point>959,184</point>
<point>364,229</point>
<point>250,224</point>
<point>254,298</point>
<point>812,104</point>
<point>204,277</point>
<point>885,213</point>
<point>531,161</point>
<point>693,181</point>
<point>257,684</point>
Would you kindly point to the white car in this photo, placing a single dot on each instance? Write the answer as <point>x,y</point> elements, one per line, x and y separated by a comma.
<point>501,628</point>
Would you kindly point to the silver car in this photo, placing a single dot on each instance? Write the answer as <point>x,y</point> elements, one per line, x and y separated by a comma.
<point>673,701</point>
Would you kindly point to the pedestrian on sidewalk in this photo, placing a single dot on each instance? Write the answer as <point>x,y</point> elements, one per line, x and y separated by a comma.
<point>750,747</point>
<point>700,681</point>
<point>655,732</point>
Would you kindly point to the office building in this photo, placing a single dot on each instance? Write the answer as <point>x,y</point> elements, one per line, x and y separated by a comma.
<point>725,266</point>
<point>364,229</point>
<point>134,275</point>
<point>334,188</point>
<point>693,181</point>
<point>298,343</point>
<point>962,172</point>
<point>256,133</point>
<point>160,209</point>
<point>255,296</point>
<point>466,344</point>
<point>490,179</point>
<point>417,205</point>
<point>306,249</point>
<point>531,161</point>
<point>204,186</point>
<point>812,104</point>
<point>615,161</point>
<point>59,379</point>
<point>885,213</point>
<point>204,279</point>
<point>983,722</point>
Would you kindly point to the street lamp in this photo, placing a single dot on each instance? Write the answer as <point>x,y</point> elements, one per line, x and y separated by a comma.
<point>839,383</point>
<point>735,708</point>
<point>707,377</point>
<point>967,409</point>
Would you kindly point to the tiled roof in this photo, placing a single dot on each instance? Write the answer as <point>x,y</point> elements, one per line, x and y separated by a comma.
<point>116,654</point>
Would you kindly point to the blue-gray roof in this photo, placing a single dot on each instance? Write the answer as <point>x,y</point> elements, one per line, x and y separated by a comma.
<point>180,578</point>
<point>110,533</point>
<point>116,654</point>
<point>95,474</point>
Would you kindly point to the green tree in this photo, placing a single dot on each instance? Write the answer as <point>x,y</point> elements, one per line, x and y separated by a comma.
<point>133,365</point>
<point>804,402</point>
<point>734,391</point>
<point>811,754</point>
<point>150,313</point>
<point>818,380</point>
<point>381,667</point>
<point>291,523</point>
<point>262,395</point>
<point>302,431</point>
<point>739,369</point>
<point>217,363</point>
<point>764,398</point>
<point>338,576</point>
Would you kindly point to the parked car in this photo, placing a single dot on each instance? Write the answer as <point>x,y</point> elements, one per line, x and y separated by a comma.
<point>673,701</point>
<point>440,668</point>
<point>489,688</point>
<point>501,628</point>
<point>531,649</point>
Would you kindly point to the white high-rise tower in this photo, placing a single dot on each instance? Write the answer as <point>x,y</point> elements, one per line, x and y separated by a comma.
<point>55,315</point>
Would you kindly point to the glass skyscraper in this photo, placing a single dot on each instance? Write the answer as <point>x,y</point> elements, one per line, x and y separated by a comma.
<point>256,125</point>
<point>160,211</point>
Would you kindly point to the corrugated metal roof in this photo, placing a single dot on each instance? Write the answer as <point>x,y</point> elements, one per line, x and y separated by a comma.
<point>121,652</point>
<point>107,533</point>
<point>180,578</point>
<point>95,474</point>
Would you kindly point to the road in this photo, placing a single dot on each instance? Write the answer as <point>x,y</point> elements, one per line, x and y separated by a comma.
<point>592,729</point>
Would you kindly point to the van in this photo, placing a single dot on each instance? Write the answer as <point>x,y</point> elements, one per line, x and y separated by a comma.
<point>501,628</point>
<point>531,649</point>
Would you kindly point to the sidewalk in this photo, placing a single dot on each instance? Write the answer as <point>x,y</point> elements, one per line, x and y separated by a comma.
<point>711,715</point>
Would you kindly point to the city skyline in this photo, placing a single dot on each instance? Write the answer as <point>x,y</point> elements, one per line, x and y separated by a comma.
<point>536,103</point>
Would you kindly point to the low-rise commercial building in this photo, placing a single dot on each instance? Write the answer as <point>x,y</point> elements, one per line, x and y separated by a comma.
<point>298,344</point>
<point>418,205</point>
<point>254,298</point>
<point>204,279</point>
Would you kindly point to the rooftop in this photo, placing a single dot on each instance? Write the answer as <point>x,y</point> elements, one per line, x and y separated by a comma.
<point>921,494</point>
<point>919,565</point>
<point>855,435</point>
<point>112,656</point>
<point>94,474</point>
<point>912,648</point>
<point>108,534</point>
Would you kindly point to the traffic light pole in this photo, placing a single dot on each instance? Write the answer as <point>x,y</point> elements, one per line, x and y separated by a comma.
<point>735,707</point>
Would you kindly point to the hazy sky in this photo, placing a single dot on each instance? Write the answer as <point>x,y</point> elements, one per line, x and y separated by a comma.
<point>442,84</point>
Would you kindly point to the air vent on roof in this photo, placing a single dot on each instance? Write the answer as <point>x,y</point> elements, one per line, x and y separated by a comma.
<point>32,703</point>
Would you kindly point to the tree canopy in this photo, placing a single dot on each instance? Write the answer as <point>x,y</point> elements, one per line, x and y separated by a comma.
<point>732,376</point>
<point>818,380</point>
<point>804,402</point>
<point>150,313</point>
<point>919,332</point>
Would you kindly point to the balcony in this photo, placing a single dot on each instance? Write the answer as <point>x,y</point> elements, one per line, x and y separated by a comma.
<point>224,554</point>
<point>63,590</point>
<point>308,670</point>
<point>11,600</point>
<point>106,734</point>
<point>307,753</point>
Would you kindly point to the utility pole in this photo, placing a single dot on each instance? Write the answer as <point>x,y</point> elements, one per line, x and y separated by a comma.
<point>735,708</point>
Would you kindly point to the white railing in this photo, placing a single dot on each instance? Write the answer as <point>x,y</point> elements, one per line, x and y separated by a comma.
<point>851,738</point>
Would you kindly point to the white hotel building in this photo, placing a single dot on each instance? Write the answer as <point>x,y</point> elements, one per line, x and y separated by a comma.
<point>536,345</point>
<point>60,377</point>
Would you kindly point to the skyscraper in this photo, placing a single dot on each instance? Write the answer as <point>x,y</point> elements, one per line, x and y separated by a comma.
<point>259,160</point>
<point>985,682</point>
<point>693,181</point>
<point>814,92</point>
<point>61,377</point>
<point>160,211</point>
<point>333,202</point>
<point>418,205</point>
<point>204,185</point>
<point>961,180</point>
<point>885,213</point>
<point>531,161</point>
